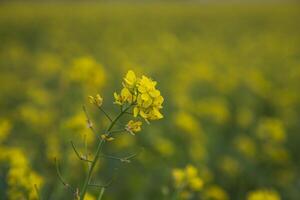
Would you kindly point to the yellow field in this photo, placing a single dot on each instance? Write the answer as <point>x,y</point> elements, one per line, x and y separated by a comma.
<point>229,75</point>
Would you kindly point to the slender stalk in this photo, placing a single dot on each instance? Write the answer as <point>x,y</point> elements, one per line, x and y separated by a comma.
<point>78,155</point>
<point>61,178</point>
<point>103,111</point>
<point>89,122</point>
<point>97,155</point>
<point>101,193</point>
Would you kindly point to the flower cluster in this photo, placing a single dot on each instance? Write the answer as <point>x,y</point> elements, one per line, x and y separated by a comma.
<point>97,100</point>
<point>20,177</point>
<point>133,126</point>
<point>187,178</point>
<point>142,94</point>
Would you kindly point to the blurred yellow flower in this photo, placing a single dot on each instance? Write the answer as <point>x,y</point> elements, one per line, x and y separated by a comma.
<point>187,178</point>
<point>164,146</point>
<point>178,176</point>
<point>191,171</point>
<point>187,123</point>
<point>229,165</point>
<point>245,145</point>
<point>20,177</point>
<point>5,128</point>
<point>87,71</point>
<point>264,194</point>
<point>215,192</point>
<point>213,108</point>
<point>196,183</point>
<point>88,196</point>
<point>271,130</point>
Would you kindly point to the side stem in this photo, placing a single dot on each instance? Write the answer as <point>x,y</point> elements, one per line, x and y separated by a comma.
<point>101,193</point>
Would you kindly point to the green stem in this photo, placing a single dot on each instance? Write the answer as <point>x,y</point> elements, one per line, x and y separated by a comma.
<point>101,193</point>
<point>97,155</point>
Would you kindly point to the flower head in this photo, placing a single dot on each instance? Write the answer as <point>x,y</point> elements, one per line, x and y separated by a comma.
<point>188,178</point>
<point>133,126</point>
<point>143,95</point>
<point>97,100</point>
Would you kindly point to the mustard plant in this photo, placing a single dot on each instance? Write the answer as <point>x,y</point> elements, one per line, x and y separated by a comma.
<point>139,99</point>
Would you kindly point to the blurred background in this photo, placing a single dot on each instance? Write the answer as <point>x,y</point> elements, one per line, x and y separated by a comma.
<point>229,73</point>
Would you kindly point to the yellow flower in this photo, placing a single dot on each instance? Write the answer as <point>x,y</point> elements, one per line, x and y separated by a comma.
<point>146,85</point>
<point>5,127</point>
<point>178,176</point>
<point>141,93</point>
<point>124,97</point>
<point>229,165</point>
<point>130,80</point>
<point>187,178</point>
<point>245,145</point>
<point>107,138</point>
<point>118,99</point>
<point>191,171</point>
<point>97,100</point>
<point>271,130</point>
<point>188,123</point>
<point>216,193</point>
<point>263,195</point>
<point>20,177</point>
<point>133,126</point>
<point>196,183</point>
<point>86,71</point>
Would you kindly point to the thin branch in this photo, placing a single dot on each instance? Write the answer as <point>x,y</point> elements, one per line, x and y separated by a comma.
<point>86,156</point>
<point>103,111</point>
<point>129,113</point>
<point>98,185</point>
<point>68,186</point>
<point>101,193</point>
<point>125,159</point>
<point>89,122</point>
<point>106,185</point>
<point>77,153</point>
<point>117,131</point>
<point>85,147</point>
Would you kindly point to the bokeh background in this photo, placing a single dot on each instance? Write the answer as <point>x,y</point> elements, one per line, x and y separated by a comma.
<point>229,73</point>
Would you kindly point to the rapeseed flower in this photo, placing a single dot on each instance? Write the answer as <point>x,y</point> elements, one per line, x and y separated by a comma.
<point>141,93</point>
<point>133,126</point>
<point>97,100</point>
<point>187,178</point>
